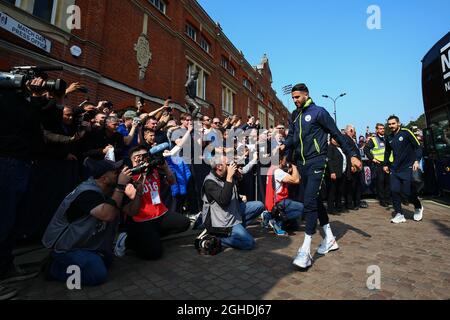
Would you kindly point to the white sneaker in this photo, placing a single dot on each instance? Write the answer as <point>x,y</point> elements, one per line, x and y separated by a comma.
<point>399,218</point>
<point>119,248</point>
<point>327,246</point>
<point>418,216</point>
<point>303,260</point>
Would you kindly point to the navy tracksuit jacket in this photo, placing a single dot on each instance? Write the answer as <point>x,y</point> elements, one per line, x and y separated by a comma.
<point>308,139</point>
<point>407,150</point>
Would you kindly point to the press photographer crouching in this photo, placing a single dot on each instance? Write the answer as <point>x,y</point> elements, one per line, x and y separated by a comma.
<point>83,228</point>
<point>151,220</point>
<point>21,103</point>
<point>223,214</point>
<point>284,211</point>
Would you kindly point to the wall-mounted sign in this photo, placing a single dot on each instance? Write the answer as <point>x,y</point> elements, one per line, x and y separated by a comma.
<point>15,27</point>
<point>75,51</point>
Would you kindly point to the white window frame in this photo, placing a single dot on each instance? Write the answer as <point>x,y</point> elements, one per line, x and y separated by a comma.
<point>260,96</point>
<point>248,84</point>
<point>191,31</point>
<point>271,120</point>
<point>224,63</point>
<point>202,78</point>
<point>52,21</point>
<point>164,5</point>
<point>228,96</point>
<point>204,44</point>
<point>262,116</point>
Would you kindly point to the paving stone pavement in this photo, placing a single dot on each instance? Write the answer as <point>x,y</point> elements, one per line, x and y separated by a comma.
<point>414,259</point>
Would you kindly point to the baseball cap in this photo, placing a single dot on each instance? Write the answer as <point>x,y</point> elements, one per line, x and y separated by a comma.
<point>97,168</point>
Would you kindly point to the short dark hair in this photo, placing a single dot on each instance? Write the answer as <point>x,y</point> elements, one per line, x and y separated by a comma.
<point>183,116</point>
<point>135,149</point>
<point>379,125</point>
<point>393,117</point>
<point>300,87</point>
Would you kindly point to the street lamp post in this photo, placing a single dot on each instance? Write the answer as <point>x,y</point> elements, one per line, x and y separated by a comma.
<point>334,101</point>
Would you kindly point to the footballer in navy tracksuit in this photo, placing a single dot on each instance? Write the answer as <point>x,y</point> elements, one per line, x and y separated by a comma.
<point>407,154</point>
<point>308,140</point>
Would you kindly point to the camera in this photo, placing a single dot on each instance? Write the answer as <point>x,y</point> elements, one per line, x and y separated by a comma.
<point>138,121</point>
<point>153,159</point>
<point>18,77</point>
<point>287,168</point>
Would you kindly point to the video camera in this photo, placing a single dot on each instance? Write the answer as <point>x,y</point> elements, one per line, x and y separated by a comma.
<point>19,76</point>
<point>153,159</point>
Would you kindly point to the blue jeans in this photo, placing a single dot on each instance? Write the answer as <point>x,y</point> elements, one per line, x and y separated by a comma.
<point>14,180</point>
<point>293,210</point>
<point>92,266</point>
<point>240,238</point>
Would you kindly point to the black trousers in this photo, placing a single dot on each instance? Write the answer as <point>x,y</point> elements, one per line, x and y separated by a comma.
<point>145,237</point>
<point>335,192</point>
<point>353,190</point>
<point>382,184</point>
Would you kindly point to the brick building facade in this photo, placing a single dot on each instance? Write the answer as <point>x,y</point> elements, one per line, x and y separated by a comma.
<point>133,49</point>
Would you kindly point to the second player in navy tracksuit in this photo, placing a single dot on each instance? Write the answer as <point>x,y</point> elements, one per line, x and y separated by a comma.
<point>407,154</point>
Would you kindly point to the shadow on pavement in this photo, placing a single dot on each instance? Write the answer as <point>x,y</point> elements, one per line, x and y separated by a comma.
<point>443,228</point>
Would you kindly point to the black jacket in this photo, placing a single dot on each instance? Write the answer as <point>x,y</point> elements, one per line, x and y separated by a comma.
<point>97,140</point>
<point>354,150</point>
<point>335,160</point>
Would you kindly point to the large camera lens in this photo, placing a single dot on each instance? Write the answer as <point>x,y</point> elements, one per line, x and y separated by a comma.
<point>58,85</point>
<point>11,81</point>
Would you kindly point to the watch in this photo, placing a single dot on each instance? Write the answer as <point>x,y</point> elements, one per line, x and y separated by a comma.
<point>121,187</point>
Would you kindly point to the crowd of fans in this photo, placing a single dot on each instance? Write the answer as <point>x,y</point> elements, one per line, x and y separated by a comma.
<point>92,148</point>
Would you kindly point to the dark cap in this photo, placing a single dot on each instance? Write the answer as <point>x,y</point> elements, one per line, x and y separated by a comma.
<point>97,168</point>
<point>300,87</point>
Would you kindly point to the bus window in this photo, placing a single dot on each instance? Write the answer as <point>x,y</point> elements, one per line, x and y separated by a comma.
<point>441,133</point>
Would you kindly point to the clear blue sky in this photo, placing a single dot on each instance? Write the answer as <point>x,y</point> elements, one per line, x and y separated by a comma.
<point>327,45</point>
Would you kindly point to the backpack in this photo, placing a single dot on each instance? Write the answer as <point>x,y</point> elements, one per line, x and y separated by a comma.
<point>207,244</point>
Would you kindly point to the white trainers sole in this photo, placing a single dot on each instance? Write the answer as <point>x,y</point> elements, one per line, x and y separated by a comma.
<point>397,221</point>
<point>333,247</point>
<point>119,248</point>
<point>418,216</point>
<point>301,263</point>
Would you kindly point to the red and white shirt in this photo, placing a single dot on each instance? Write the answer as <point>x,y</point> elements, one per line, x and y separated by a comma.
<point>151,203</point>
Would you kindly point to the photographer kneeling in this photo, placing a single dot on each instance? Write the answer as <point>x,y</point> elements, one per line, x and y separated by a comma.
<point>222,209</point>
<point>151,219</point>
<point>82,230</point>
<point>284,210</point>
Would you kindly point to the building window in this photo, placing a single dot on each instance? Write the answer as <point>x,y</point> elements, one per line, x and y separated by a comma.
<point>248,84</point>
<point>271,120</point>
<point>262,116</point>
<point>45,9</point>
<point>191,32</point>
<point>159,4</point>
<point>226,64</point>
<point>227,99</point>
<point>204,44</point>
<point>260,96</point>
<point>270,105</point>
<point>202,78</point>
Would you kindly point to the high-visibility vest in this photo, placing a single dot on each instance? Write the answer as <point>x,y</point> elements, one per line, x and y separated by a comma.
<point>378,150</point>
